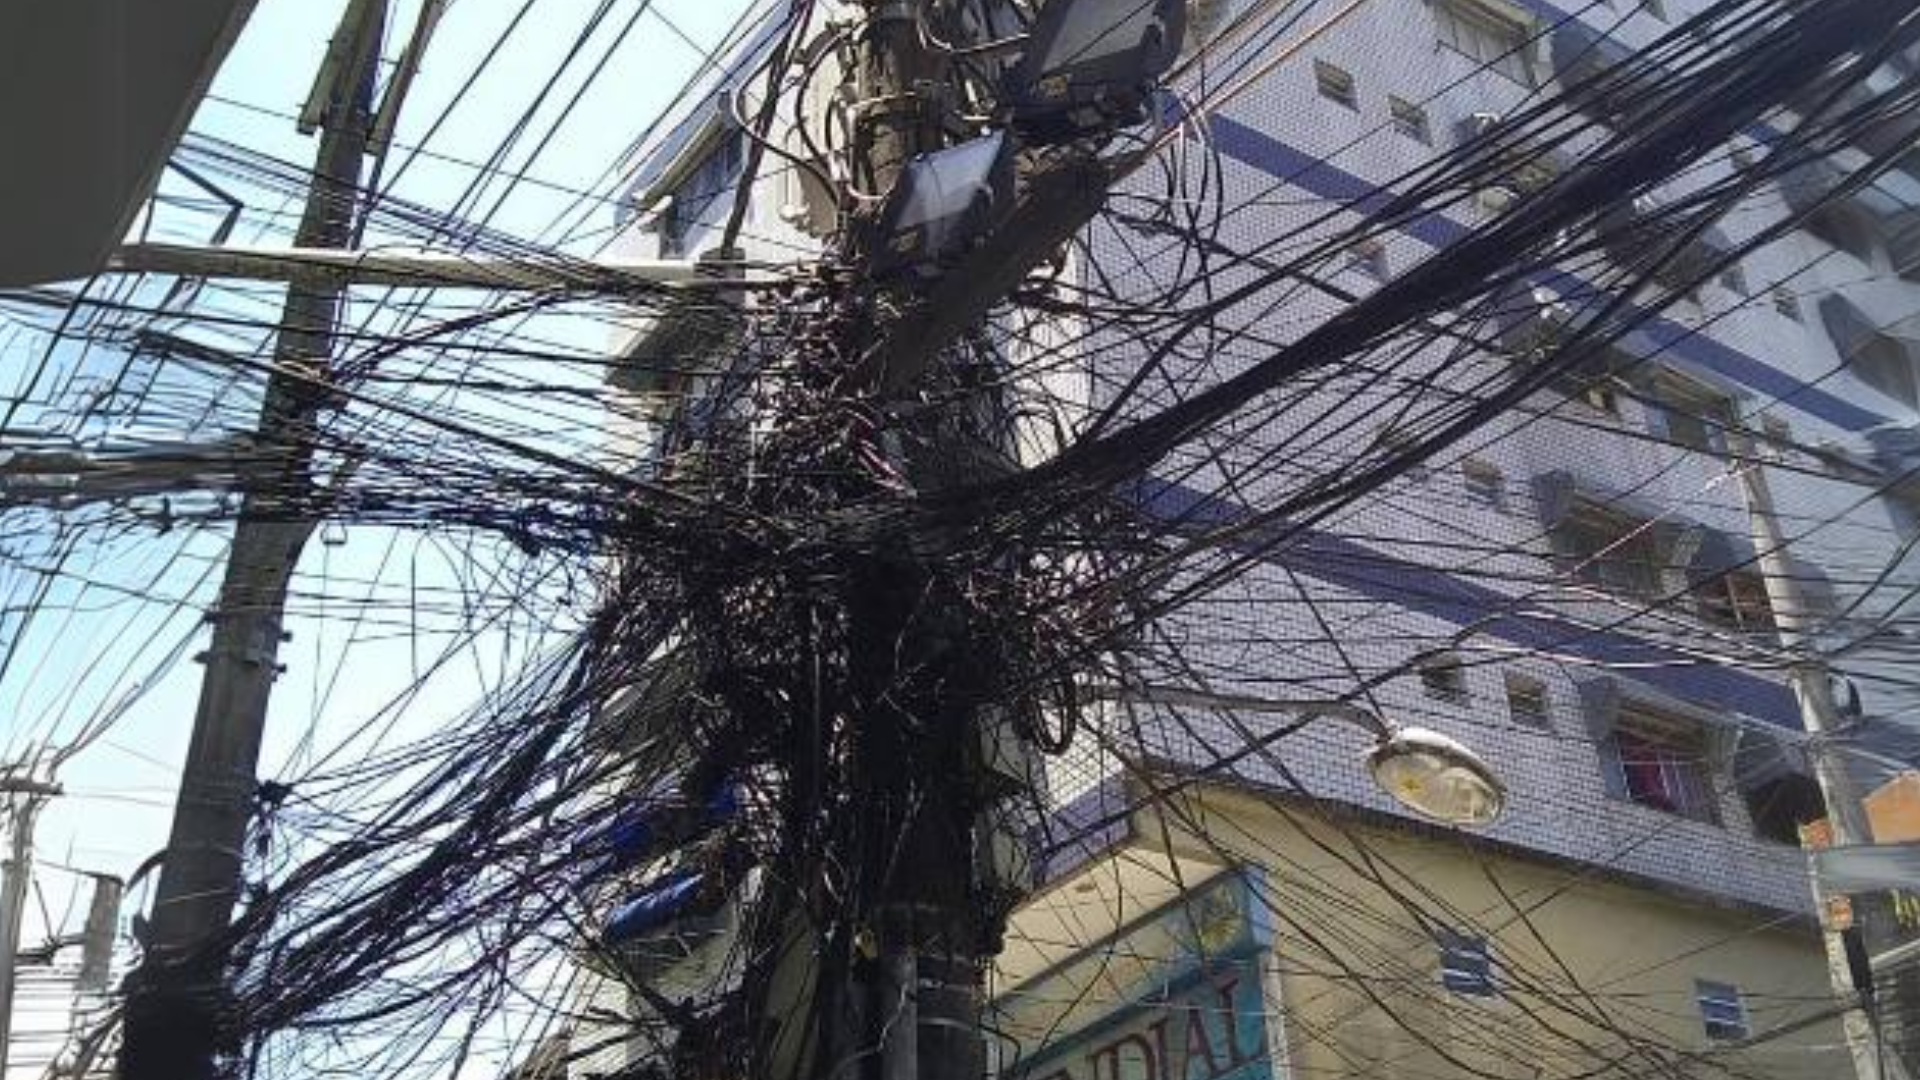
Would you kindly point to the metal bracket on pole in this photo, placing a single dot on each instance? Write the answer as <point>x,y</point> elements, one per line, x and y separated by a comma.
<point>333,268</point>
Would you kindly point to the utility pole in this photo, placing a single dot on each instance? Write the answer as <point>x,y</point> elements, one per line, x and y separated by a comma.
<point>916,999</point>
<point>1812,683</point>
<point>176,1018</point>
<point>927,755</point>
<point>25,797</point>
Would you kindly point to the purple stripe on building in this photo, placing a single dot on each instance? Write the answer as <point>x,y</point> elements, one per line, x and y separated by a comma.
<point>1434,592</point>
<point>1291,165</point>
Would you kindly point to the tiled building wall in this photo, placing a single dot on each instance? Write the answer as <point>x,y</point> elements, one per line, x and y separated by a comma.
<point>1291,153</point>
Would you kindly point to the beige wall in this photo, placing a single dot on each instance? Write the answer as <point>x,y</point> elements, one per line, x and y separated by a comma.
<point>1597,977</point>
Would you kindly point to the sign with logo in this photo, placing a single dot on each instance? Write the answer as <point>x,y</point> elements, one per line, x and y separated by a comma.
<point>1176,996</point>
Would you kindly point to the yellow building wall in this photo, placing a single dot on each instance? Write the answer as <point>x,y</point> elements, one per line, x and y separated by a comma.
<point>1597,978</point>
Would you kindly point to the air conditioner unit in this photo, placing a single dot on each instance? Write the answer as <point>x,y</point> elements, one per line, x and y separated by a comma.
<point>1478,126</point>
<point>1494,198</point>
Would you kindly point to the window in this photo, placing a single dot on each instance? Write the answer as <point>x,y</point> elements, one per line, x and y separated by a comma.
<point>1395,441</point>
<point>1466,965</point>
<point>1779,807</point>
<point>1722,1012</point>
<point>1660,762</point>
<point>1526,700</point>
<point>1696,417</point>
<point>695,206</point>
<point>1599,395</point>
<point>1779,438</point>
<point>1485,484</point>
<point>1410,120</point>
<point>1610,551</point>
<point>1590,381</point>
<point>1441,676</point>
<point>1495,41</point>
<point>1786,303</point>
<point>1336,84</point>
<point>1368,257</point>
<point>1736,600</point>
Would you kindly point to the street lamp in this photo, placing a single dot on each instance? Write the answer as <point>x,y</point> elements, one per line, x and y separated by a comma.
<point>1427,772</point>
<point>1437,777</point>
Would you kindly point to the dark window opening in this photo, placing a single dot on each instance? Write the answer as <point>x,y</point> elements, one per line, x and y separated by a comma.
<point>1466,965</point>
<point>1410,120</point>
<point>1336,84</point>
<point>1610,551</point>
<point>1443,677</point>
<point>1527,700</point>
<point>1722,1012</point>
<point>1780,806</point>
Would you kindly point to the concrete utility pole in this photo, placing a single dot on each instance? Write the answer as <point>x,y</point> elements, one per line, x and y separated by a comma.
<point>25,797</point>
<point>920,681</point>
<point>1812,683</point>
<point>917,999</point>
<point>176,1022</point>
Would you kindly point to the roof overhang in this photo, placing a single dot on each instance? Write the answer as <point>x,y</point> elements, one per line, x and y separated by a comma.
<point>94,95</point>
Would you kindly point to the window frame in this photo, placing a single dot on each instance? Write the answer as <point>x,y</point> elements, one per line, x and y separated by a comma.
<point>1491,39</point>
<point>1696,416</point>
<point>1336,84</point>
<point>1466,965</point>
<point>1709,996</point>
<point>1443,677</point>
<point>1660,762</point>
<point>1519,686</point>
<point>1410,119</point>
<point>1608,566</point>
<point>1736,600</point>
<point>1484,482</point>
<point>717,171</point>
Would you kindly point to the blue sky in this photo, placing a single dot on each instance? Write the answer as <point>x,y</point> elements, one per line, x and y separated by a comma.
<point>341,673</point>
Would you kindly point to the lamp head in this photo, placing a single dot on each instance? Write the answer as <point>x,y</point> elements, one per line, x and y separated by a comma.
<point>1436,777</point>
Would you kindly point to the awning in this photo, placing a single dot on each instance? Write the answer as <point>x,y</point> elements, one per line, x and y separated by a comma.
<point>1636,233</point>
<point>1559,493</point>
<point>1867,867</point>
<point>1855,324</point>
<point>1751,752</point>
<point>1603,77</point>
<point>1535,321</point>
<point>1761,757</point>
<point>1855,221</point>
<point>93,98</point>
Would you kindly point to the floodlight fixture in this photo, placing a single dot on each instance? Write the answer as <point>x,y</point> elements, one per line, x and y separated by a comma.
<point>942,204</point>
<point>1091,66</point>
